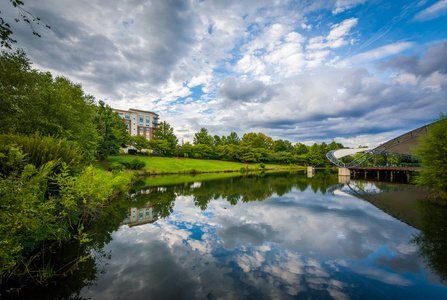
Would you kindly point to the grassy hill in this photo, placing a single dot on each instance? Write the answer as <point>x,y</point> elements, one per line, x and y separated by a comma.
<point>176,165</point>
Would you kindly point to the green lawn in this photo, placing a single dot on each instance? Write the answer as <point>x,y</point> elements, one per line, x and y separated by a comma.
<point>176,165</point>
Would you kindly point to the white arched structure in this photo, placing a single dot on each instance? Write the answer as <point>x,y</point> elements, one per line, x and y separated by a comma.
<point>403,145</point>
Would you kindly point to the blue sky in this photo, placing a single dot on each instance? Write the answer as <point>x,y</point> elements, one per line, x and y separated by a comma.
<point>354,71</point>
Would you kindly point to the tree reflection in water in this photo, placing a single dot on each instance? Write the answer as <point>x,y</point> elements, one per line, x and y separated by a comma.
<point>432,239</point>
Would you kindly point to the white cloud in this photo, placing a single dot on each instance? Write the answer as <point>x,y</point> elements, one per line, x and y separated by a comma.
<point>378,53</point>
<point>342,5</point>
<point>336,37</point>
<point>434,11</point>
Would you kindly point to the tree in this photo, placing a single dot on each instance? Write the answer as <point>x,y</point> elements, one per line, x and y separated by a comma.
<point>301,149</point>
<point>139,142</point>
<point>433,152</point>
<point>217,140</point>
<point>259,140</point>
<point>333,146</point>
<point>161,146</point>
<point>23,15</point>
<point>202,150</point>
<point>314,156</point>
<point>282,145</point>
<point>233,139</point>
<point>187,149</point>
<point>165,132</point>
<point>112,132</point>
<point>202,137</point>
<point>33,101</point>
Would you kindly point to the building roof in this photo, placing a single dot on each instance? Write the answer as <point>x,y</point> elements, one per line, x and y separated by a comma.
<point>133,109</point>
<point>145,111</point>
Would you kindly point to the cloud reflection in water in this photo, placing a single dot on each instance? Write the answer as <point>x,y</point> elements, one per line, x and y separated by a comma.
<point>302,244</point>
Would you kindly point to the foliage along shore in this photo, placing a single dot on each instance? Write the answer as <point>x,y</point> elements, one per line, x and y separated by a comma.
<point>49,194</point>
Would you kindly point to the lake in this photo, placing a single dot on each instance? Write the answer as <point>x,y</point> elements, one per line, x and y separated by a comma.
<point>269,236</point>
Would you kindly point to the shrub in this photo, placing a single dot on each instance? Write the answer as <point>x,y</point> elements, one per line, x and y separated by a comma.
<point>39,150</point>
<point>262,166</point>
<point>116,167</point>
<point>134,164</point>
<point>243,170</point>
<point>137,164</point>
<point>132,151</point>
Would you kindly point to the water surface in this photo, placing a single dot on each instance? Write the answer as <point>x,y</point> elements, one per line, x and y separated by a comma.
<point>282,236</point>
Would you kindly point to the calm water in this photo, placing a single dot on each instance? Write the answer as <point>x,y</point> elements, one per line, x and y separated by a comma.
<point>266,237</point>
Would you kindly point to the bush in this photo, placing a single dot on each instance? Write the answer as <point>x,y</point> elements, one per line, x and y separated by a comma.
<point>39,150</point>
<point>137,164</point>
<point>262,166</point>
<point>116,167</point>
<point>132,151</point>
<point>243,170</point>
<point>134,164</point>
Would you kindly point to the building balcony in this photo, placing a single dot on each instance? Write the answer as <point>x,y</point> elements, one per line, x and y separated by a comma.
<point>155,122</point>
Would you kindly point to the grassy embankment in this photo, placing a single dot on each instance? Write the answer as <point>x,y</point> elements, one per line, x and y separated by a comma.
<point>165,165</point>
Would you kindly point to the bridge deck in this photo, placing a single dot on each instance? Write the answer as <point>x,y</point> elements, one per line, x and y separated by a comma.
<point>415,169</point>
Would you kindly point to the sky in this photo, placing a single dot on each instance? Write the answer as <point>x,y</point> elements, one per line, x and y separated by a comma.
<point>355,71</point>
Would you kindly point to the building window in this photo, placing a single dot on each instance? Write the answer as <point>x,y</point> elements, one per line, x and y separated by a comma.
<point>127,116</point>
<point>121,115</point>
<point>141,120</point>
<point>147,129</point>
<point>148,121</point>
<point>127,124</point>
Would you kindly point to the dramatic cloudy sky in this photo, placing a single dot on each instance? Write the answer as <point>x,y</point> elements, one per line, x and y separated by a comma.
<point>356,71</point>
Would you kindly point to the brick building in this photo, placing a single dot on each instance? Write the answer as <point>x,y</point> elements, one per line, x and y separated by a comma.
<point>139,122</point>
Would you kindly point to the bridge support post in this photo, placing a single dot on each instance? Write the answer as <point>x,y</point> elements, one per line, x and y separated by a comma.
<point>310,172</point>
<point>344,172</point>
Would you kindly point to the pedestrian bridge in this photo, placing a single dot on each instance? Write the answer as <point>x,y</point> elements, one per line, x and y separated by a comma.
<point>403,145</point>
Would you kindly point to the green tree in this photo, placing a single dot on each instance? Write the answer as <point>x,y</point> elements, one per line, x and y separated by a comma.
<point>202,151</point>
<point>161,146</point>
<point>217,140</point>
<point>433,152</point>
<point>139,142</point>
<point>202,137</point>
<point>187,149</point>
<point>233,139</point>
<point>259,140</point>
<point>282,145</point>
<point>301,149</point>
<point>314,157</point>
<point>333,146</point>
<point>33,101</point>
<point>228,152</point>
<point>112,132</point>
<point>165,132</point>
